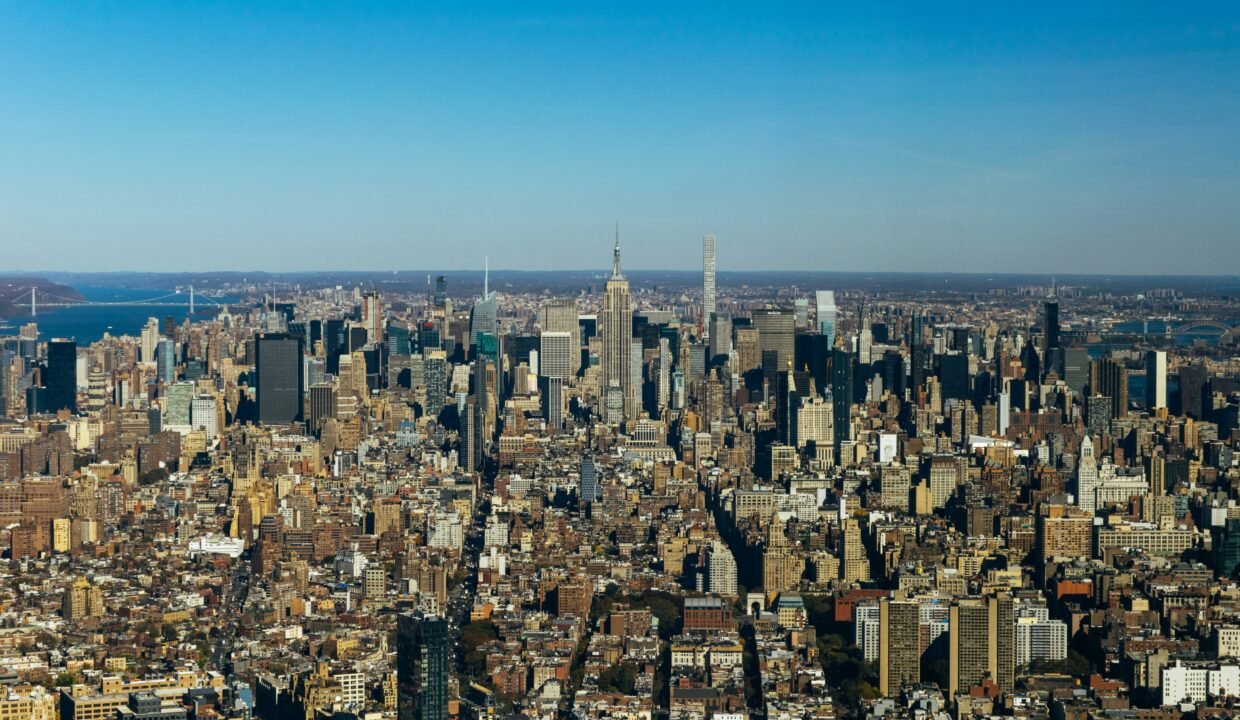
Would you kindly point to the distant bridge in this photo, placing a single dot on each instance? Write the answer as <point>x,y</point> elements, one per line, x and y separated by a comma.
<point>1201,327</point>
<point>33,300</point>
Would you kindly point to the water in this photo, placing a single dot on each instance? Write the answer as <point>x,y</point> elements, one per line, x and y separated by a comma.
<point>88,323</point>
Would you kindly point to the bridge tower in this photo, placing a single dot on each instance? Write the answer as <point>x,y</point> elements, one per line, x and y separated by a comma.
<point>34,307</point>
<point>191,301</point>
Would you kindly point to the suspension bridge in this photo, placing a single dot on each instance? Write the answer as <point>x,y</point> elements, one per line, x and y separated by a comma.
<point>33,300</point>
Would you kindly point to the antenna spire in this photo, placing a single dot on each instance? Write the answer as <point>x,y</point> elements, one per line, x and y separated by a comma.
<point>486,277</point>
<point>615,262</point>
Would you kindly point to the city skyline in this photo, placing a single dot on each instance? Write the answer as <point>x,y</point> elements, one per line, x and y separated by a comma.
<point>1054,139</point>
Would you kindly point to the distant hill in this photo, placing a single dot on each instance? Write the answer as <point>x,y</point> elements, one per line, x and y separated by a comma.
<point>17,289</point>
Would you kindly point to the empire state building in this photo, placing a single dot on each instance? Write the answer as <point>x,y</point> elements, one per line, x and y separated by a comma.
<point>617,335</point>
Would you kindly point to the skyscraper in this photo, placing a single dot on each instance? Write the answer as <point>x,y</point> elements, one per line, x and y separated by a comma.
<point>560,315</point>
<point>982,643</point>
<point>720,335</point>
<point>1050,326</point>
<point>826,314</point>
<point>776,333</point>
<point>1087,477</point>
<point>841,397</point>
<point>721,566</point>
<point>551,396</point>
<point>1155,380</point>
<point>281,382</point>
<point>588,488</point>
<point>165,361</point>
<point>617,336</point>
<point>422,656</point>
<point>61,381</point>
<point>372,315</point>
<point>708,280</point>
<point>557,355</point>
<point>1110,378</point>
<point>899,650</point>
<point>483,316</point>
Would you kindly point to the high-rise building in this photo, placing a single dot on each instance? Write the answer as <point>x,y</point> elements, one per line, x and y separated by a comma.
<point>841,397</point>
<point>1075,369</point>
<point>899,653</point>
<point>204,415</point>
<point>1063,531</point>
<point>781,566</point>
<point>945,476</point>
<point>865,339</point>
<point>588,487</point>
<point>81,599</point>
<point>1087,477</point>
<point>472,441</point>
<point>720,334</point>
<point>617,336</point>
<point>61,380</point>
<point>557,355</point>
<point>917,354</point>
<point>166,361</point>
<point>1040,638</point>
<point>423,654</point>
<point>721,568</point>
<point>149,340</point>
<point>1050,326</point>
<point>1155,380</point>
<point>441,293</point>
<point>322,406</point>
<point>281,383</point>
<point>1193,379</point>
<point>1110,378</point>
<point>372,316</point>
<point>826,314</point>
<point>1227,549</point>
<point>776,334</point>
<point>786,402</point>
<point>560,315</point>
<point>551,396</point>
<point>855,563</point>
<point>435,373</point>
<point>708,280</point>
<point>1098,414</point>
<point>482,319</point>
<point>982,643</point>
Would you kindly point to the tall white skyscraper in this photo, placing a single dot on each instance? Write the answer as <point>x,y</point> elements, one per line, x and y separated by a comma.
<point>1087,477</point>
<point>617,337</point>
<point>708,280</point>
<point>150,340</point>
<point>865,338</point>
<point>826,314</point>
<point>1155,380</point>
<point>722,568</point>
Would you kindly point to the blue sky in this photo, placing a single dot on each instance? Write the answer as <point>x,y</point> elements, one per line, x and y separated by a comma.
<point>1074,137</point>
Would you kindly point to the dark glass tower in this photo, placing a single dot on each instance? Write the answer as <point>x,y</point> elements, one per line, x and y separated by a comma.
<point>841,397</point>
<point>281,382</point>
<point>422,655</point>
<point>1050,325</point>
<point>588,489</point>
<point>61,381</point>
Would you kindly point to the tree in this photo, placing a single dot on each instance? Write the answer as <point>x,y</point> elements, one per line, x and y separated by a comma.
<point>620,678</point>
<point>473,637</point>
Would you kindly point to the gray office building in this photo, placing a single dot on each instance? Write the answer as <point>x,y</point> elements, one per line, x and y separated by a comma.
<point>281,379</point>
